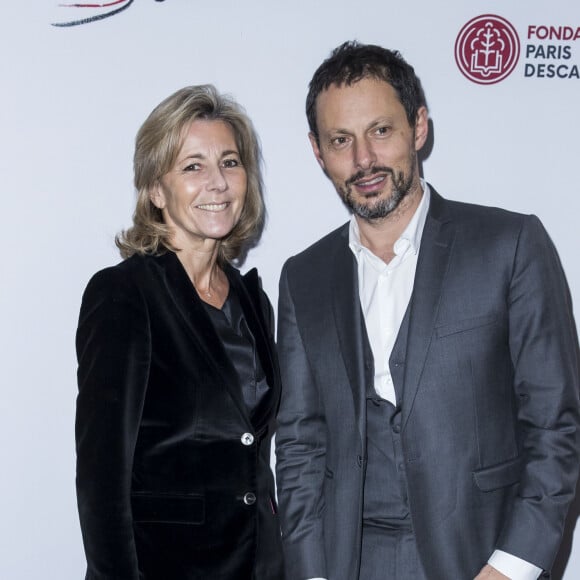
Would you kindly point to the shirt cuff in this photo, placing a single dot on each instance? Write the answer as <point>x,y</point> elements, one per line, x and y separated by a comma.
<point>513,567</point>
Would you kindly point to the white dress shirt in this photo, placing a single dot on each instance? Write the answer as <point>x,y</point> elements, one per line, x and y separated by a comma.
<point>385,291</point>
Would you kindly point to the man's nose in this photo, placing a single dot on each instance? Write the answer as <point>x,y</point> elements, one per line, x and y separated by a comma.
<point>364,155</point>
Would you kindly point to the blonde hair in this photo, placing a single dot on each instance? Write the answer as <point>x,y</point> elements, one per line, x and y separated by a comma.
<point>157,145</point>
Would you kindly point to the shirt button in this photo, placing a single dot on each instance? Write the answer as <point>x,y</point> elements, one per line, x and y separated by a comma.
<point>247,439</point>
<point>249,498</point>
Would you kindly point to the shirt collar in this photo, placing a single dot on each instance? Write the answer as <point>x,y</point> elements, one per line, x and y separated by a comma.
<point>411,236</point>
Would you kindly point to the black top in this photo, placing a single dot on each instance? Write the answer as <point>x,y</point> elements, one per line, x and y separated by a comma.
<point>238,341</point>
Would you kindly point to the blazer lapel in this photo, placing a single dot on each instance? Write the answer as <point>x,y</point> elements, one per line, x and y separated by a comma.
<point>200,327</point>
<point>249,292</point>
<point>349,321</point>
<point>434,255</point>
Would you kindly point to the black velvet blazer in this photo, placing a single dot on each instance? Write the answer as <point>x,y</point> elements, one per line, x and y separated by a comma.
<point>173,472</point>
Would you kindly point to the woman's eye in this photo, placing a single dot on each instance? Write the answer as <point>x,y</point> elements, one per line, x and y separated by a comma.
<point>231,163</point>
<point>192,167</point>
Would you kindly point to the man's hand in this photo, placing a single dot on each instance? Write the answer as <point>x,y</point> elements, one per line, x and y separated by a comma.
<point>490,573</point>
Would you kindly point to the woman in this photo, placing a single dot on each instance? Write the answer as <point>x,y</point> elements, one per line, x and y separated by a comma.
<point>178,378</point>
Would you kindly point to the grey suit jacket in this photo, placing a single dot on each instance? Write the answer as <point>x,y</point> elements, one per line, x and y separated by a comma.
<point>490,409</point>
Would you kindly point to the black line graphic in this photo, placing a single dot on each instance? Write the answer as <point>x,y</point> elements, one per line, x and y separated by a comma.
<point>125,5</point>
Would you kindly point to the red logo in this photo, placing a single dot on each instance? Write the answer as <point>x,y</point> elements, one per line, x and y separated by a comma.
<point>487,49</point>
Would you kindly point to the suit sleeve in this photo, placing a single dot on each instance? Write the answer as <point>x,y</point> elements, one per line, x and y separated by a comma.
<point>113,350</point>
<point>544,350</point>
<point>300,449</point>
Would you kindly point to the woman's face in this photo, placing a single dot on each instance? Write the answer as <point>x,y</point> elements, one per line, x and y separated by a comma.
<point>202,195</point>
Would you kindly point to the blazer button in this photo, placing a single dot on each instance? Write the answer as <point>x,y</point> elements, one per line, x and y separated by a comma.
<point>247,439</point>
<point>249,498</point>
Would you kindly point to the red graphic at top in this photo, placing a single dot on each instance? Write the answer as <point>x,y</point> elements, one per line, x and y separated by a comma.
<point>487,49</point>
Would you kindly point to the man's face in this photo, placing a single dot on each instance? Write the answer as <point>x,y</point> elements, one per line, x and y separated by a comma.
<point>367,147</point>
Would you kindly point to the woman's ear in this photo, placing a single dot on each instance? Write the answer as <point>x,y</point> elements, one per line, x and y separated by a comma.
<point>157,196</point>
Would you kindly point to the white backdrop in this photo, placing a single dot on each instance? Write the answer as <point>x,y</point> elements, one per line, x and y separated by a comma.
<point>71,102</point>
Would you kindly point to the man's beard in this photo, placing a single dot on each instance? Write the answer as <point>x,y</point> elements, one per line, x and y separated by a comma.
<point>383,206</point>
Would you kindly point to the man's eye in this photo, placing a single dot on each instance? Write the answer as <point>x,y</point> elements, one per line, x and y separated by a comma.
<point>339,141</point>
<point>382,130</point>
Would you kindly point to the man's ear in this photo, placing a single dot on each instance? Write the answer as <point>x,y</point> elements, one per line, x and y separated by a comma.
<point>421,128</point>
<point>157,196</point>
<point>316,150</point>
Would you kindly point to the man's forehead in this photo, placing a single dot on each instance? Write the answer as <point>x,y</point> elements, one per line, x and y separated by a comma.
<point>344,96</point>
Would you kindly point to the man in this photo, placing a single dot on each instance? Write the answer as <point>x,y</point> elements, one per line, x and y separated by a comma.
<point>429,420</point>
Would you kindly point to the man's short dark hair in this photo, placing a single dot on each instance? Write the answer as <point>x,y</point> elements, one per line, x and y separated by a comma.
<point>352,62</point>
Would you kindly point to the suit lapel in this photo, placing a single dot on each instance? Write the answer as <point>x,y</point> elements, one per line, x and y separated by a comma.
<point>434,256</point>
<point>349,321</point>
<point>199,324</point>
